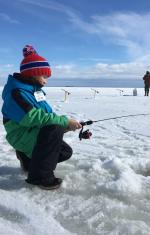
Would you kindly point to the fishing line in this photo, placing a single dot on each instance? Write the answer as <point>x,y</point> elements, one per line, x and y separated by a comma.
<point>87,134</point>
<point>131,115</point>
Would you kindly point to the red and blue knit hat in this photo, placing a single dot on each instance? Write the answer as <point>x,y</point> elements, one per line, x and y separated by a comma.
<point>33,65</point>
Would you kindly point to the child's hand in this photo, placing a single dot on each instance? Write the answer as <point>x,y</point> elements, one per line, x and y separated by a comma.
<point>74,125</point>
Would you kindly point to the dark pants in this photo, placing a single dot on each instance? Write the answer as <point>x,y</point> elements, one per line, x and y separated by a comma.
<point>48,151</point>
<point>146,90</point>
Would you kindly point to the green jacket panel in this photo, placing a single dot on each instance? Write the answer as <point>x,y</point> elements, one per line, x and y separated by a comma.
<point>23,136</point>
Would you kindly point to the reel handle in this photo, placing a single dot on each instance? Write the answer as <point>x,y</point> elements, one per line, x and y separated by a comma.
<point>86,123</point>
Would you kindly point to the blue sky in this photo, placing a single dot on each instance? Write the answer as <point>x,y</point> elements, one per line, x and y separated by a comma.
<point>80,38</point>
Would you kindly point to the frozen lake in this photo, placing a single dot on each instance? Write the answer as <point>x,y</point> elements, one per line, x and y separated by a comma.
<point>106,183</point>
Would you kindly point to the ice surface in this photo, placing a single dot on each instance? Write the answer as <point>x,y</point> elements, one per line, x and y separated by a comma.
<point>106,187</point>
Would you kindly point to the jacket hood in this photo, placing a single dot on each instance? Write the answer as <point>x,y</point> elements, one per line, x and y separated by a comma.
<point>13,83</point>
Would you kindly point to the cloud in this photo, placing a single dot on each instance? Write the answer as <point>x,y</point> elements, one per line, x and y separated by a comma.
<point>52,5</point>
<point>129,30</point>
<point>134,70</point>
<point>7,18</point>
<point>8,66</point>
<point>5,69</point>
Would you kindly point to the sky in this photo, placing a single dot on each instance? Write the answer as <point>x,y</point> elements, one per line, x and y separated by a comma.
<point>81,39</point>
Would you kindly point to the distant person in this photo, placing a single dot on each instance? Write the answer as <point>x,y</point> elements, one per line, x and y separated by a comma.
<point>33,129</point>
<point>146,79</point>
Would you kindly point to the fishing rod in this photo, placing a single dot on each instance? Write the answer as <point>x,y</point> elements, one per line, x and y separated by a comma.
<point>87,134</point>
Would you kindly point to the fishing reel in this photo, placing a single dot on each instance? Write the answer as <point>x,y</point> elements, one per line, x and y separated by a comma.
<point>85,134</point>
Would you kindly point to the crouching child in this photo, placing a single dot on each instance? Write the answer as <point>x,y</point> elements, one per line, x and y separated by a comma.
<point>33,129</point>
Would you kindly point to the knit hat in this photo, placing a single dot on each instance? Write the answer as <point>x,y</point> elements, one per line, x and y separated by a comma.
<point>33,65</point>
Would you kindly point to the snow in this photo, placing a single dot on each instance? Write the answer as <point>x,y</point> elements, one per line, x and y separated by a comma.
<point>106,183</point>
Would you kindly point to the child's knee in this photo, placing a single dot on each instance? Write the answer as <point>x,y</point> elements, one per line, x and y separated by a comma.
<point>70,152</point>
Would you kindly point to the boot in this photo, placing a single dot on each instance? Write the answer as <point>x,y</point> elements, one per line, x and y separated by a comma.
<point>47,184</point>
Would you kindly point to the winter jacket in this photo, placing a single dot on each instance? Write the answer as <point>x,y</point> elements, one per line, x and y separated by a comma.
<point>24,114</point>
<point>146,79</point>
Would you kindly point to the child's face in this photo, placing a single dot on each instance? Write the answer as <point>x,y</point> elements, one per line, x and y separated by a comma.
<point>42,80</point>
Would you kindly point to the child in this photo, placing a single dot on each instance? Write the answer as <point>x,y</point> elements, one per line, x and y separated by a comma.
<point>33,129</point>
